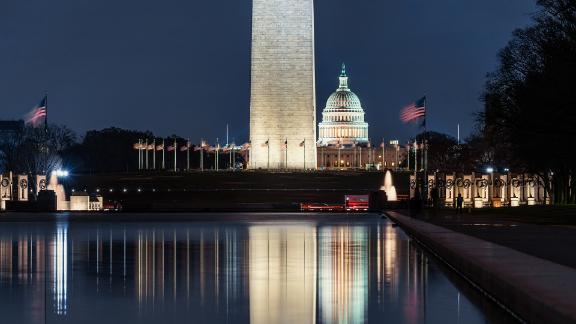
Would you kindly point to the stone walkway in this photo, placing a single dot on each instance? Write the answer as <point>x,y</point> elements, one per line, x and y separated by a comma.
<point>551,237</point>
<point>537,290</point>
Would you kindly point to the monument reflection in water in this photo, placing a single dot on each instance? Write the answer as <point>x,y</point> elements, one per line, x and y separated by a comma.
<point>268,272</point>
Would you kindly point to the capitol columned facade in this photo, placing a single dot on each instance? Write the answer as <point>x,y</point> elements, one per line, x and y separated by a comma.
<point>343,141</point>
<point>343,118</point>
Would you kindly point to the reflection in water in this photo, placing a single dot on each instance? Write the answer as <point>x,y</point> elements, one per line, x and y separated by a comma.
<point>282,274</point>
<point>60,269</point>
<point>270,272</point>
<point>343,269</point>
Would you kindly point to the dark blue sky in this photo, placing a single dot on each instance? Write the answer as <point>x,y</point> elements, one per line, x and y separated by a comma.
<point>184,66</point>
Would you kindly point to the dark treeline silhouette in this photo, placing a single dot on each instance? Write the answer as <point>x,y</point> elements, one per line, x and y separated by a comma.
<point>112,150</point>
<point>447,155</point>
<point>530,102</point>
<point>36,151</point>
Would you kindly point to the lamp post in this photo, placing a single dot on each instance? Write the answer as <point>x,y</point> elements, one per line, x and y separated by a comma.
<point>146,152</point>
<point>490,171</point>
<point>188,155</point>
<point>154,154</point>
<point>175,150</point>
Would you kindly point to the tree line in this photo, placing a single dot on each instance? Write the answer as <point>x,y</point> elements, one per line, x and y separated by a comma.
<point>530,102</point>
<point>36,151</point>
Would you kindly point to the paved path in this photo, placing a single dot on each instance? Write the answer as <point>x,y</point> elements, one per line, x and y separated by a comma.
<point>550,239</point>
<point>539,291</point>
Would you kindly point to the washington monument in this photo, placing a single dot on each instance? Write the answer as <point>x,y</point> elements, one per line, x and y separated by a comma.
<point>282,101</point>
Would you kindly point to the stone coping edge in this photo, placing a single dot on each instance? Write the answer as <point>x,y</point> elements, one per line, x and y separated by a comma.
<point>532,289</point>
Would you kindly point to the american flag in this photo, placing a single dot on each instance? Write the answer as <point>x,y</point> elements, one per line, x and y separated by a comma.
<point>414,111</point>
<point>185,147</point>
<point>35,116</point>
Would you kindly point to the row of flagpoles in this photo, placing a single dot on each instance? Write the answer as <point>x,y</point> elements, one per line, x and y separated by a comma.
<point>144,146</point>
<point>413,113</point>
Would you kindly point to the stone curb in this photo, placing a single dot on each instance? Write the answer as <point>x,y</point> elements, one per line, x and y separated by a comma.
<point>536,290</point>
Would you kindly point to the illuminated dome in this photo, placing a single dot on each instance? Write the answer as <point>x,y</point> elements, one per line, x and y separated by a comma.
<point>343,118</point>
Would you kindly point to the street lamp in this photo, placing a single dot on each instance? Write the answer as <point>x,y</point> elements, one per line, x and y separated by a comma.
<point>61,173</point>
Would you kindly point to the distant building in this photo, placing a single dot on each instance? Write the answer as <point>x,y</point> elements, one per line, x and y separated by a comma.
<point>362,157</point>
<point>343,141</point>
<point>343,118</point>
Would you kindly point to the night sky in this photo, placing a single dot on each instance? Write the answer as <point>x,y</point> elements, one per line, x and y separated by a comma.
<point>184,66</point>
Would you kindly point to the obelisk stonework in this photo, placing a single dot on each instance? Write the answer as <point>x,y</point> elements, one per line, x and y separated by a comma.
<point>282,101</point>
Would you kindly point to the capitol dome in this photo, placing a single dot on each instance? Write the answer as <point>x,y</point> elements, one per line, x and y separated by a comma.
<point>343,118</point>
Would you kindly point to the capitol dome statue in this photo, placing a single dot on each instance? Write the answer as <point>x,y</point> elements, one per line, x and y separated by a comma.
<point>343,118</point>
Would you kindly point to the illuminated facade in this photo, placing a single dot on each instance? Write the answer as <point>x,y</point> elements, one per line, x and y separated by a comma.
<point>343,118</point>
<point>282,101</point>
<point>362,157</point>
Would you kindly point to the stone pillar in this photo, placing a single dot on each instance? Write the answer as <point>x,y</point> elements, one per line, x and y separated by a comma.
<point>22,187</point>
<point>412,185</point>
<point>504,188</point>
<point>450,190</point>
<point>6,187</point>
<point>467,189</point>
<point>282,102</point>
<point>515,190</point>
<point>41,183</point>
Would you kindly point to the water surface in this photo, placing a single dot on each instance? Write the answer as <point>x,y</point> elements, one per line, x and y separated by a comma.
<point>301,271</point>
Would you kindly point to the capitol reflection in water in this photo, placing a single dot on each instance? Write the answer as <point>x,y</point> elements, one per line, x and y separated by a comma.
<point>268,272</point>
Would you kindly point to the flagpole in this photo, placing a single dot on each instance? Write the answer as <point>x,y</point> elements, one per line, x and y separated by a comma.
<point>188,155</point>
<point>234,155</point>
<point>154,154</point>
<point>458,134</point>
<point>201,155</point>
<point>383,154</point>
<point>425,197</point>
<point>217,153</point>
<point>415,158</point>
<point>146,150</point>
<point>46,117</point>
<point>139,154</point>
<point>175,150</point>
<point>163,160</point>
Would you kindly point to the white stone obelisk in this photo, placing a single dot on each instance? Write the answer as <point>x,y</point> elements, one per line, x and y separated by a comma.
<point>282,102</point>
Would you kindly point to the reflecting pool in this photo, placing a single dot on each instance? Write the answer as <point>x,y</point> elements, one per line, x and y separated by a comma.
<point>301,271</point>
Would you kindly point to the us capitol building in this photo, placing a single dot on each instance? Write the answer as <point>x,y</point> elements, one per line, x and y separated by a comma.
<point>343,118</point>
<point>343,141</point>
